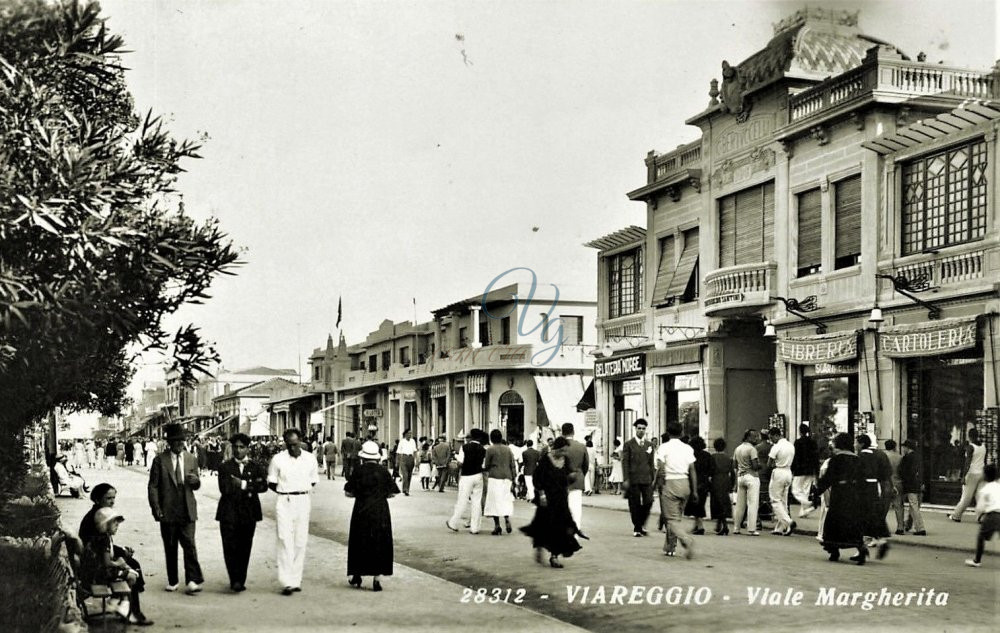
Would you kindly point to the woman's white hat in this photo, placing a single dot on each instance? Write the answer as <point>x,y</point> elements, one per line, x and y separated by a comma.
<point>104,516</point>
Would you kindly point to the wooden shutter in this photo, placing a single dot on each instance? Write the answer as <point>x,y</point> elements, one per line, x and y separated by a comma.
<point>665,271</point>
<point>727,232</point>
<point>767,193</point>
<point>749,226</point>
<point>810,230</point>
<point>848,217</point>
<point>685,266</point>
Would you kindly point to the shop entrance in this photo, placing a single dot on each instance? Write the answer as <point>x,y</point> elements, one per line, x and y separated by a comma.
<point>829,404</point>
<point>943,396</point>
<point>512,416</point>
<point>683,402</point>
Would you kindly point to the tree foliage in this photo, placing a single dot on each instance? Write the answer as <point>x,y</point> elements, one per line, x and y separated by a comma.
<point>95,246</point>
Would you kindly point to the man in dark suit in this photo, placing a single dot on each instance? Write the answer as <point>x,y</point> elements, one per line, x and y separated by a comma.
<point>637,477</point>
<point>173,478</point>
<point>349,453</point>
<point>240,481</point>
<point>579,463</point>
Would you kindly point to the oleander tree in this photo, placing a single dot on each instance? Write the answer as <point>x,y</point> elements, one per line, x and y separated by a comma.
<point>95,247</point>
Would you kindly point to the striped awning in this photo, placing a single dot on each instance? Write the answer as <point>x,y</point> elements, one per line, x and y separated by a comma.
<point>622,237</point>
<point>927,130</point>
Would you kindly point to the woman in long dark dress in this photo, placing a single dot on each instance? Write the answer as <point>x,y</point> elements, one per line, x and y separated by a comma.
<point>369,545</point>
<point>721,485</point>
<point>553,528</point>
<point>703,469</point>
<point>843,524</point>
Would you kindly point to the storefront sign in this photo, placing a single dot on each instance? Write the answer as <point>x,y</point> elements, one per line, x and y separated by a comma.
<point>685,382</point>
<point>409,394</point>
<point>941,337</point>
<point>372,413</point>
<point>829,369</point>
<point>631,387</point>
<point>633,365</point>
<point>439,390</point>
<point>814,350</point>
<point>476,383</point>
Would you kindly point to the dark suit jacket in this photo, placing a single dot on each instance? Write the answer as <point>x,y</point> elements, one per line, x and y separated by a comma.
<point>239,505</point>
<point>577,461</point>
<point>909,472</point>
<point>637,462</point>
<point>170,500</point>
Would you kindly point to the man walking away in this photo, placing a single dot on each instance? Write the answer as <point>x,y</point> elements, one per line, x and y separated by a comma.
<point>680,482</point>
<point>292,474</point>
<point>896,482</point>
<point>348,453</point>
<point>747,484</point>
<point>440,456</point>
<point>529,461</point>
<point>240,481</point>
<point>780,460</point>
<point>637,477</point>
<point>470,482</point>
<point>909,472</point>
<point>173,478</point>
<point>330,455</point>
<point>805,468</point>
<point>579,465</point>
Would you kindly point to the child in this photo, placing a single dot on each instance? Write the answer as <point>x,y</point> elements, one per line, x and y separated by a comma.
<point>425,466</point>
<point>103,567</point>
<point>987,513</point>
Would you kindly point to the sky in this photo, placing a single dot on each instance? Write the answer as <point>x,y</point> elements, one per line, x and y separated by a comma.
<point>388,153</point>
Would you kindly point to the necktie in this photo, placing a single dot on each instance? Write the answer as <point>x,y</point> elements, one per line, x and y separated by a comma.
<point>180,470</point>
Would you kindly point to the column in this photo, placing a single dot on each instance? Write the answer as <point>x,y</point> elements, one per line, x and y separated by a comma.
<point>474,315</point>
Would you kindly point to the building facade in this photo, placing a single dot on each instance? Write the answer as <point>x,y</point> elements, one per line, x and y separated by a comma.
<point>493,361</point>
<point>841,207</point>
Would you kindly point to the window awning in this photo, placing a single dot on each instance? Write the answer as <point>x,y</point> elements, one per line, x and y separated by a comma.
<point>588,400</point>
<point>969,115</point>
<point>560,395</point>
<point>622,237</point>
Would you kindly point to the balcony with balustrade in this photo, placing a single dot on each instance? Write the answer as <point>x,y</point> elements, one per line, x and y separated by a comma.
<point>965,269</point>
<point>670,172</point>
<point>885,77</point>
<point>739,289</point>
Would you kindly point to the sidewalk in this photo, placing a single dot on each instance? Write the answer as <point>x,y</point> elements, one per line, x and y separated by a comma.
<point>942,533</point>
<point>327,602</point>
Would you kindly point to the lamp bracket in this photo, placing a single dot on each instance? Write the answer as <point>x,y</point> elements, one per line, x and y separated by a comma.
<point>906,286</point>
<point>799,308</point>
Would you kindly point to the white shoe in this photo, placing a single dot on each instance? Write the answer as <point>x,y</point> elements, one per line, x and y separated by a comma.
<point>172,587</point>
<point>972,563</point>
<point>192,587</point>
<point>123,608</point>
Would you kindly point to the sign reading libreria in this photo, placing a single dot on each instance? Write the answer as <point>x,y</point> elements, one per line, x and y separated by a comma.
<point>813,350</point>
<point>633,365</point>
<point>941,337</point>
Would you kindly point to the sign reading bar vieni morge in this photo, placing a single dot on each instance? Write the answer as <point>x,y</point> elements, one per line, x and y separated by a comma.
<point>623,367</point>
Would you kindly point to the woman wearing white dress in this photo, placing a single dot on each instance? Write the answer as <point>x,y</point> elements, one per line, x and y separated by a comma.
<point>616,467</point>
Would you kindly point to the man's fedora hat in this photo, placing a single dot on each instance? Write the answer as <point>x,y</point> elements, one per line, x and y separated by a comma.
<point>174,432</point>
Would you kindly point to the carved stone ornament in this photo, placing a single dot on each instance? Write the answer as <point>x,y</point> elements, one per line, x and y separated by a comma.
<point>819,134</point>
<point>674,191</point>
<point>695,183</point>
<point>903,117</point>
<point>788,147</point>
<point>713,92</point>
<point>858,120</point>
<point>734,171</point>
<point>733,86</point>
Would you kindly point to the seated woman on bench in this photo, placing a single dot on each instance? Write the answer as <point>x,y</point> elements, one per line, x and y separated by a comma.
<point>66,479</point>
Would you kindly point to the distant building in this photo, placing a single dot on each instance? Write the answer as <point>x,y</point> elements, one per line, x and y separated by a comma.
<point>491,361</point>
<point>244,409</point>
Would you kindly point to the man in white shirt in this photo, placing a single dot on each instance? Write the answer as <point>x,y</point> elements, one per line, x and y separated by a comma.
<point>292,475</point>
<point>405,452</point>
<point>676,461</point>
<point>987,513</point>
<point>780,460</point>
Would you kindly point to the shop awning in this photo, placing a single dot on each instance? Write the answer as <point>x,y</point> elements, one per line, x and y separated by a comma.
<point>560,394</point>
<point>929,339</point>
<point>588,400</point>
<point>685,267</point>
<point>822,348</point>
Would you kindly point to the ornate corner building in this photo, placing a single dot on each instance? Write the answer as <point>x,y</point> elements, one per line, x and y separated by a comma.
<point>828,251</point>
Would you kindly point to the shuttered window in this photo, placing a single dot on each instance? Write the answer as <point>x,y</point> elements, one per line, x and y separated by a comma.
<point>665,271</point>
<point>847,222</point>
<point>572,329</point>
<point>944,198</point>
<point>746,226</point>
<point>810,232</point>
<point>680,289</point>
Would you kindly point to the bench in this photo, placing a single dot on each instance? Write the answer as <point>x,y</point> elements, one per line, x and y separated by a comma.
<point>84,592</point>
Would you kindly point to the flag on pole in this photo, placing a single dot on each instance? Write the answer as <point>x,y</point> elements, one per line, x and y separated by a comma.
<point>339,310</point>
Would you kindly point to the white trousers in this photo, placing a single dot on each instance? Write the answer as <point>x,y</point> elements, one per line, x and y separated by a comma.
<point>470,489</point>
<point>576,507</point>
<point>800,490</point>
<point>292,514</point>
<point>781,481</point>
<point>747,498</point>
<point>529,485</point>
